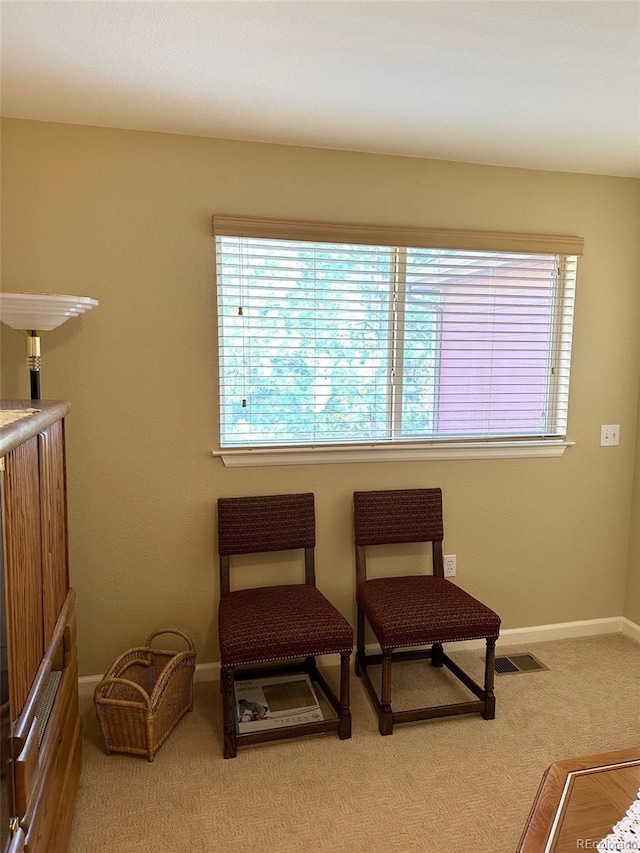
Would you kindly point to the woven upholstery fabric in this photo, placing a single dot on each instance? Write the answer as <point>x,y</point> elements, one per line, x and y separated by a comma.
<point>420,609</point>
<point>398,515</point>
<point>266,523</point>
<point>278,622</point>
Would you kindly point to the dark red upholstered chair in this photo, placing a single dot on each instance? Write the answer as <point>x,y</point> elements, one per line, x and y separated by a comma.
<point>415,610</point>
<point>290,622</point>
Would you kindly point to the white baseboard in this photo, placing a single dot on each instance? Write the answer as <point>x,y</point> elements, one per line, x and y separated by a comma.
<point>207,671</point>
<point>508,637</point>
<point>630,629</point>
<point>87,684</point>
<point>561,631</point>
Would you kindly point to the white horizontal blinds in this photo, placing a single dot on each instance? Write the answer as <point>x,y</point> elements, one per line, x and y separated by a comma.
<point>303,342</point>
<point>487,346</point>
<point>335,342</point>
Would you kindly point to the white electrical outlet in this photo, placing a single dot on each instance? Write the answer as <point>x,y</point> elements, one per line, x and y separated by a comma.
<point>609,435</point>
<point>449,565</point>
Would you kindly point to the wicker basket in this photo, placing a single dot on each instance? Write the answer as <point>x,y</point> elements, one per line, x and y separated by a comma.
<point>143,696</point>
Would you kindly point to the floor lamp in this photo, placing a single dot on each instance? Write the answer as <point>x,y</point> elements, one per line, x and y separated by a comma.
<point>31,314</point>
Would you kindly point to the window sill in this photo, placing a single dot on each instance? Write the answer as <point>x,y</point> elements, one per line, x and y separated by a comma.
<point>261,456</point>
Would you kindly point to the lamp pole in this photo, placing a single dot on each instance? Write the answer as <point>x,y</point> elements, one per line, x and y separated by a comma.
<point>33,362</point>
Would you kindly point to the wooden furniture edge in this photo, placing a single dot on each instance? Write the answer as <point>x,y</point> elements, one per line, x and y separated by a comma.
<point>543,811</point>
<point>19,431</point>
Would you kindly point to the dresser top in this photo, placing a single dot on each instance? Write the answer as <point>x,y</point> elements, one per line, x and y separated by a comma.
<point>22,419</point>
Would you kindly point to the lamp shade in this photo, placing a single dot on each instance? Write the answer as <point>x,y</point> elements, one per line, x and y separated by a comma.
<point>41,311</point>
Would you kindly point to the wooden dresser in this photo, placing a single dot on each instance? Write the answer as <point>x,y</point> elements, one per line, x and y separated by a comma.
<point>40,725</point>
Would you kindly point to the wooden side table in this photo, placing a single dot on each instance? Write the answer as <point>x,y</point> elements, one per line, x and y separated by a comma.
<point>580,800</point>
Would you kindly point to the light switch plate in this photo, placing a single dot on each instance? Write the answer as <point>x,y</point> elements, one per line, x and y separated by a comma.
<point>609,435</point>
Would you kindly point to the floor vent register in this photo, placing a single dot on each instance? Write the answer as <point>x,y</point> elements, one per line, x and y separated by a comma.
<point>523,662</point>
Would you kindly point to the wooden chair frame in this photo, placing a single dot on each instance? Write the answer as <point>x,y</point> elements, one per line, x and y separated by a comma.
<point>340,703</point>
<point>485,704</point>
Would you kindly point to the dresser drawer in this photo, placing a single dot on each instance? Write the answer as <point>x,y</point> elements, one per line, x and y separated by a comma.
<point>45,742</point>
<point>26,767</point>
<point>57,751</point>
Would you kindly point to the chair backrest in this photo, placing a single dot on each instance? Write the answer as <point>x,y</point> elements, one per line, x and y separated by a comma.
<point>251,525</point>
<point>398,516</point>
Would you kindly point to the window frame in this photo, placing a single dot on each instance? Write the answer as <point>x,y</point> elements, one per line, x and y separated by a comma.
<point>396,448</point>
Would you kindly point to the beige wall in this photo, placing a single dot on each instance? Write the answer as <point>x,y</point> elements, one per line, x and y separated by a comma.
<point>125,217</point>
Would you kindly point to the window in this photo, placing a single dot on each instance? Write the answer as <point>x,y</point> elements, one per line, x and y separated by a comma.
<point>348,337</point>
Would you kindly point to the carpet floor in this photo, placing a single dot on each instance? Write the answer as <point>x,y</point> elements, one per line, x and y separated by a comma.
<point>457,785</point>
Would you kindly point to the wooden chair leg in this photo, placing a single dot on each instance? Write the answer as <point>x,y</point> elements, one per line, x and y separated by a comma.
<point>436,655</point>
<point>344,731</point>
<point>360,647</point>
<point>228,715</point>
<point>385,725</point>
<point>489,699</point>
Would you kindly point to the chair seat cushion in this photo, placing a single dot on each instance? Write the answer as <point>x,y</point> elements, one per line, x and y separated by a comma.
<point>416,610</point>
<point>279,622</point>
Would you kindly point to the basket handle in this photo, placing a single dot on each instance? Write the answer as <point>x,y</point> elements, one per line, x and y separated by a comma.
<point>125,681</point>
<point>136,662</point>
<point>185,637</point>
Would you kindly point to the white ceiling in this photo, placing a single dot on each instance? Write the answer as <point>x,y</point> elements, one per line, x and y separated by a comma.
<point>533,83</point>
